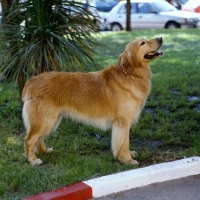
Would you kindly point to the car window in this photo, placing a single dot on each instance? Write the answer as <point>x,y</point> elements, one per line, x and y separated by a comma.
<point>182,1</point>
<point>133,8</point>
<point>105,5</point>
<point>122,9</point>
<point>163,6</point>
<point>144,8</point>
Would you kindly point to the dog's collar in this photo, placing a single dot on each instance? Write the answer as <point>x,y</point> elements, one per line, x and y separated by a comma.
<point>140,77</point>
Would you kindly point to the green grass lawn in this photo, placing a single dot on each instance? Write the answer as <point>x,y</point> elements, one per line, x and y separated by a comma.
<point>168,128</point>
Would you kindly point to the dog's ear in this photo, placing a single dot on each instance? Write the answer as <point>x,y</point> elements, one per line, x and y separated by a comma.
<point>130,57</point>
<point>122,60</point>
<point>126,62</point>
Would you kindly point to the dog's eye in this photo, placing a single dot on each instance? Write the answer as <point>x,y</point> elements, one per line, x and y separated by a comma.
<point>142,43</point>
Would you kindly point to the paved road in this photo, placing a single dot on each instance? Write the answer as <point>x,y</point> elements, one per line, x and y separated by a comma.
<point>181,189</point>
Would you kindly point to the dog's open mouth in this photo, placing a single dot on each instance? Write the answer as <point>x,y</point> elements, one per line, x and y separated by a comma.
<point>153,54</point>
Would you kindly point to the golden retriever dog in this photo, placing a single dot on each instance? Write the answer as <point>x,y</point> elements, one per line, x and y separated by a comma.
<point>110,98</point>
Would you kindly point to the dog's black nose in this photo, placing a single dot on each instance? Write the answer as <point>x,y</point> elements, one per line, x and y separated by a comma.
<point>159,39</point>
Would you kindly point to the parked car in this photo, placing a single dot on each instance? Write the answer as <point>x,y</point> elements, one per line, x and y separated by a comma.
<point>90,6</point>
<point>106,5</point>
<point>100,17</point>
<point>177,3</point>
<point>102,20</point>
<point>151,14</point>
<point>192,6</point>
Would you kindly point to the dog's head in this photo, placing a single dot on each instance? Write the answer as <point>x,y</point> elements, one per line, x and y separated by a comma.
<point>140,52</point>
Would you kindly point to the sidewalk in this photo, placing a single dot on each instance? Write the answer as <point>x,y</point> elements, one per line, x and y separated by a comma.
<point>180,189</point>
<point>124,181</point>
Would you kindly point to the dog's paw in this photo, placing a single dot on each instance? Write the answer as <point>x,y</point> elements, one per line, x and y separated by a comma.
<point>36,162</point>
<point>133,154</point>
<point>25,155</point>
<point>134,162</point>
<point>130,161</point>
<point>49,150</point>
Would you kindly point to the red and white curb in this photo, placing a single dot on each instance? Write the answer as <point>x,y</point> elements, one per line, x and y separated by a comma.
<point>122,181</point>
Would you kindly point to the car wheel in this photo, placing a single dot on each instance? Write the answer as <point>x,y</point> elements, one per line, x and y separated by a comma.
<point>172,25</point>
<point>116,27</point>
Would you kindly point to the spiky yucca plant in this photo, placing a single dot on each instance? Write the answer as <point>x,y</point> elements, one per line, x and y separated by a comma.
<point>46,35</point>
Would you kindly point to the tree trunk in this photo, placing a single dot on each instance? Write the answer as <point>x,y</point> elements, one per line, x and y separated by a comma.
<point>21,82</point>
<point>6,4</point>
<point>128,15</point>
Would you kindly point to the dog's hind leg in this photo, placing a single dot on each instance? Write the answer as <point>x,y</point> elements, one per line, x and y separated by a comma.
<point>35,140</point>
<point>120,141</point>
<point>40,146</point>
<point>37,128</point>
<point>30,142</point>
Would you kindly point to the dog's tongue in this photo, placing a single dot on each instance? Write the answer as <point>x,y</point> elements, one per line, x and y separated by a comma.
<point>155,52</point>
<point>151,53</point>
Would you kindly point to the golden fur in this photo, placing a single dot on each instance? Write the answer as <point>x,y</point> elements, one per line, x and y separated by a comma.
<point>110,98</point>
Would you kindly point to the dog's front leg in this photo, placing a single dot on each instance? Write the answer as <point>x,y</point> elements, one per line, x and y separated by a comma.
<point>120,141</point>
